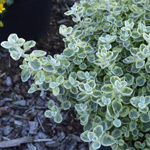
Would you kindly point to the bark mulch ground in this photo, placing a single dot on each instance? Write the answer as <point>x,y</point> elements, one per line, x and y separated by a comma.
<point>23,125</point>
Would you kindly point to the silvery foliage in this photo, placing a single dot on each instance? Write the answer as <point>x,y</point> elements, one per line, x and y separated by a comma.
<point>103,72</point>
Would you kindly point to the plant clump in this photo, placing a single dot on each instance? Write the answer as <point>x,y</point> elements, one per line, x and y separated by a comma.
<point>103,72</point>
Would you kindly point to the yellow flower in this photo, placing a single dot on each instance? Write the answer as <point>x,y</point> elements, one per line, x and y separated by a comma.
<point>1,8</point>
<point>3,2</point>
<point>1,24</point>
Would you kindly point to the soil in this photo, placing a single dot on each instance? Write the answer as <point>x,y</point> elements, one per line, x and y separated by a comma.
<point>23,125</point>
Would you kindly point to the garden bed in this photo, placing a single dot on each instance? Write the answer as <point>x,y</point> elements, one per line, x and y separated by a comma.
<point>22,114</point>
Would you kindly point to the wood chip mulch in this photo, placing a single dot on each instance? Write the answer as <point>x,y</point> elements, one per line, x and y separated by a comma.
<point>23,125</point>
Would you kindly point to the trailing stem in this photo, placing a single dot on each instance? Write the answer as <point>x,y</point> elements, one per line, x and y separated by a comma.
<point>120,2</point>
<point>108,7</point>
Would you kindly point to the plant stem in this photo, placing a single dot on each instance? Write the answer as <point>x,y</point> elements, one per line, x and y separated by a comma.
<point>147,1</point>
<point>108,6</point>
<point>149,46</point>
<point>120,2</point>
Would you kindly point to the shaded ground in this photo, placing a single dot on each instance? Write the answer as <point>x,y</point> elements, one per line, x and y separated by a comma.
<point>22,114</point>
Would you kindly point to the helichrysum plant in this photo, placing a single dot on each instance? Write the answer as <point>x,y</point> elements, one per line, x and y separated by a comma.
<point>3,5</point>
<point>103,72</point>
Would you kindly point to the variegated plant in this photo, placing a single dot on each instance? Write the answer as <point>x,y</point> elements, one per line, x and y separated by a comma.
<point>103,72</point>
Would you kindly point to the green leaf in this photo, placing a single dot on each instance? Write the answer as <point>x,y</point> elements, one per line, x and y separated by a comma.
<point>129,60</point>
<point>145,118</point>
<point>38,53</point>
<point>73,75</point>
<point>147,16</point>
<point>77,33</point>
<point>84,136</point>
<point>108,88</point>
<point>58,118</point>
<point>15,53</point>
<point>33,88</point>
<point>135,132</point>
<point>81,75</point>
<point>135,34</point>
<point>66,105</point>
<point>82,96</point>
<point>68,52</point>
<point>113,79</point>
<point>126,91</point>
<point>83,66</point>
<point>71,80</point>
<point>117,123</point>
<point>12,39</point>
<point>87,87</point>
<point>96,145</point>
<point>111,19</point>
<point>148,142</point>
<point>132,126</point>
<point>91,58</point>
<point>67,84</point>
<point>146,37</point>
<point>60,71</point>
<point>117,10</point>
<point>97,93</point>
<point>129,78</point>
<point>9,2</point>
<point>147,67</point>
<point>117,106</point>
<point>140,55</point>
<point>80,107</point>
<point>134,51</point>
<point>89,49</point>
<point>56,91</point>
<point>107,140</point>
<point>6,45</point>
<point>74,90</point>
<point>53,84</point>
<point>110,111</point>
<point>124,111</point>
<point>116,133</point>
<point>134,69</point>
<point>48,114</point>
<point>98,130</point>
<point>138,144</point>
<point>69,30</point>
<point>88,126</point>
<point>63,30</point>
<point>121,142</point>
<point>140,81</point>
<point>28,45</point>
<point>117,71</point>
<point>97,120</point>
<point>48,67</point>
<point>134,101</point>
<point>84,119</point>
<point>25,75</point>
<point>90,11</point>
<point>140,64</point>
<point>20,42</point>
<point>133,114</point>
<point>51,104</point>
<point>60,79</point>
<point>40,74</point>
<point>35,64</point>
<point>141,105</point>
<point>147,100</point>
<point>104,124</point>
<point>91,135</point>
<point>54,109</point>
